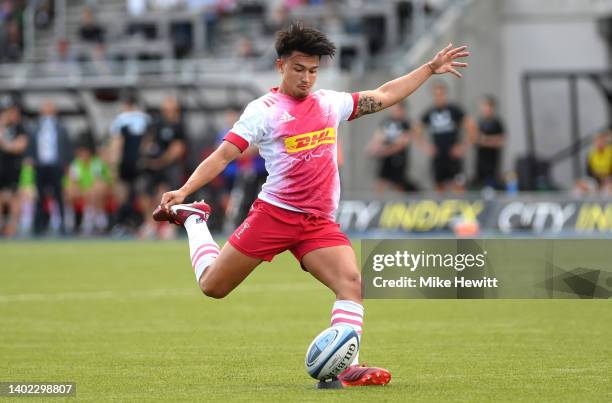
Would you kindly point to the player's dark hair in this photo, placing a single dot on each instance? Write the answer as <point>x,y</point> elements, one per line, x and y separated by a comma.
<point>297,37</point>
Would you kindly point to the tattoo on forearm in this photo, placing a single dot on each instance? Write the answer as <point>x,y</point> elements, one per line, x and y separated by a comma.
<point>368,104</point>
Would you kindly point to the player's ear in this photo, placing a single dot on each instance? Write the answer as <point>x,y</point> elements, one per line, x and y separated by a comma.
<point>280,64</point>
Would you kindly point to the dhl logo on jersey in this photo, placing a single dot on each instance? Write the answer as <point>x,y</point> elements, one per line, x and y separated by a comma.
<point>307,141</point>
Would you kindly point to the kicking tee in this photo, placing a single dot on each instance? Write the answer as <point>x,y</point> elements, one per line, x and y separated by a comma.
<point>297,138</point>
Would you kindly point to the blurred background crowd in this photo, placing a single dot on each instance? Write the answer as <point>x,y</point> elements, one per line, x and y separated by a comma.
<point>104,105</point>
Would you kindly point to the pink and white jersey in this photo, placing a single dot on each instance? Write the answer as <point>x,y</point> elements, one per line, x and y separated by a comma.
<point>298,140</point>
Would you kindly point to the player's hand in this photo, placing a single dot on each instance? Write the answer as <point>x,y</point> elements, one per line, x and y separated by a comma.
<point>172,198</point>
<point>444,60</point>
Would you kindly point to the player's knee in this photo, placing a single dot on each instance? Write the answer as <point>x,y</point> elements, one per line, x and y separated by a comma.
<point>212,290</point>
<point>351,286</point>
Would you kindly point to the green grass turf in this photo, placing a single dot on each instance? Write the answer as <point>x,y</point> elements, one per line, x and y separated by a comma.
<point>127,322</point>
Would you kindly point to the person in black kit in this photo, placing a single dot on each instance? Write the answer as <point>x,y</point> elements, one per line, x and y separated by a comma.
<point>50,152</point>
<point>390,145</point>
<point>444,122</point>
<point>489,144</point>
<point>90,31</point>
<point>13,146</point>
<point>164,149</point>
<point>127,132</point>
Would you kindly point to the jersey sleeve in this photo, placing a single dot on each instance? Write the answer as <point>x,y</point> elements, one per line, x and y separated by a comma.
<point>347,104</point>
<point>344,103</point>
<point>248,129</point>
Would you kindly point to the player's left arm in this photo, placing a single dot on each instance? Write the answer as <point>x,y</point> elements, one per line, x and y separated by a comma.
<point>395,90</point>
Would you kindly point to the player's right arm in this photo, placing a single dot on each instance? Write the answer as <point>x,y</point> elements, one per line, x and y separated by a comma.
<point>208,169</point>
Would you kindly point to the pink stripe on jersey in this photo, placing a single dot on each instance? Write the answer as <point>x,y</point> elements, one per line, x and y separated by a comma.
<point>236,140</point>
<point>343,320</point>
<point>336,311</point>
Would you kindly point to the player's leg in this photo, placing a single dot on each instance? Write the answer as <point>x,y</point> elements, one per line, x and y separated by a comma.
<point>266,232</point>
<point>217,272</point>
<point>336,267</point>
<point>327,255</point>
<point>226,272</point>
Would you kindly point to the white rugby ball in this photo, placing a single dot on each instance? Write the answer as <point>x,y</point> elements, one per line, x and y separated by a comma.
<point>331,352</point>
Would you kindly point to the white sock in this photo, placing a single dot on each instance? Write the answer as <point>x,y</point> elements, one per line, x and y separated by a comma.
<point>202,248</point>
<point>345,312</point>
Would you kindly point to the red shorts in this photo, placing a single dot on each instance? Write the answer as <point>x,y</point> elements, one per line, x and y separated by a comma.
<point>269,230</point>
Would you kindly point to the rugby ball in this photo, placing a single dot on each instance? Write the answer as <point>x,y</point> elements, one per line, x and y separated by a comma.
<point>331,352</point>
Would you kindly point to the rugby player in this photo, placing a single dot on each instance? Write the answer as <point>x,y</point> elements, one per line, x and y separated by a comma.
<point>295,130</point>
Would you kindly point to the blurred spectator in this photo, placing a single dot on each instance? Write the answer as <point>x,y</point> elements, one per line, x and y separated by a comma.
<point>246,49</point>
<point>242,178</point>
<point>88,188</point>
<point>277,20</point>
<point>63,52</point>
<point>390,146</point>
<point>10,42</point>
<point>489,145</point>
<point>50,153</point>
<point>212,10</point>
<point>13,146</point>
<point>599,160</point>
<point>182,38</point>
<point>90,31</point>
<point>10,30</point>
<point>27,198</point>
<point>99,64</point>
<point>164,150</point>
<point>230,172</point>
<point>250,176</point>
<point>63,59</point>
<point>444,122</point>
<point>43,15</point>
<point>127,132</point>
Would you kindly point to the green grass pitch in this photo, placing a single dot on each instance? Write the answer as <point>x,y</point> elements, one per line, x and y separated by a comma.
<point>127,322</point>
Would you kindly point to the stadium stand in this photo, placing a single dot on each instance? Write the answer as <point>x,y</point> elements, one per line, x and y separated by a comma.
<point>85,54</point>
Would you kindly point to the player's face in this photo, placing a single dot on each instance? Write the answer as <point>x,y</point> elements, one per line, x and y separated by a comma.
<point>299,74</point>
